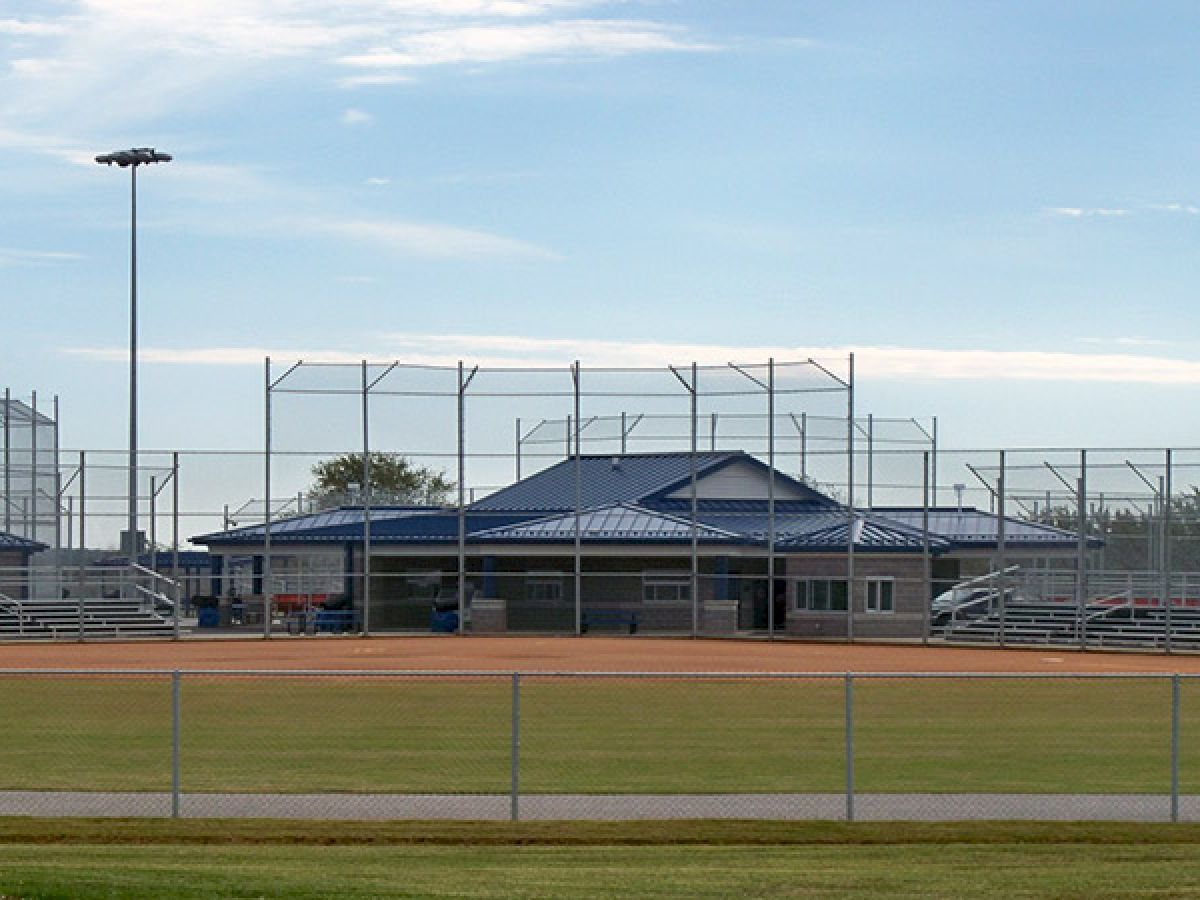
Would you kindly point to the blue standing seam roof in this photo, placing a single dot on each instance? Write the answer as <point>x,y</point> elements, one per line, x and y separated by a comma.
<point>970,527</point>
<point>15,542</point>
<point>618,522</point>
<point>630,478</point>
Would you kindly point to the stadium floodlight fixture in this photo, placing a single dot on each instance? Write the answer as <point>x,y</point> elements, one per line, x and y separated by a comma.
<point>131,159</point>
<point>136,157</point>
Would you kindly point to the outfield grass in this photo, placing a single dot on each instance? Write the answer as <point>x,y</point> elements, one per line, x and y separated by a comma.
<point>593,735</point>
<point>288,860</point>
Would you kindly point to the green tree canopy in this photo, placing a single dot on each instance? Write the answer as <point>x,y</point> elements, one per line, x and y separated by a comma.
<point>394,479</point>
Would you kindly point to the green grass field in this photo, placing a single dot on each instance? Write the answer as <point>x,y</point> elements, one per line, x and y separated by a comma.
<point>594,735</point>
<point>93,859</point>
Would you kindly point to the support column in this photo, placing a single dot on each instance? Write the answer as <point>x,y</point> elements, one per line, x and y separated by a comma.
<point>771,499</point>
<point>462,500</point>
<point>575,377</point>
<point>1081,576</point>
<point>693,389</point>
<point>850,504</point>
<point>266,595</point>
<point>366,502</point>
<point>1166,550</point>
<point>1001,550</point>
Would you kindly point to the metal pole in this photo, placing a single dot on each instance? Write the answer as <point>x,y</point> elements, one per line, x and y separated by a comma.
<point>176,717</point>
<point>926,565</point>
<point>804,446</point>
<point>1001,550</point>
<point>1166,551</point>
<point>933,476</point>
<point>624,436</point>
<point>518,442</point>
<point>694,532</point>
<point>82,536</point>
<point>1175,686</point>
<point>57,490</point>
<point>7,460</point>
<point>32,527</point>
<point>712,438</point>
<point>266,568</point>
<point>366,497</point>
<point>578,503</point>
<point>153,524</point>
<point>462,500</point>
<point>514,796</point>
<point>1081,599</point>
<point>133,387</point>
<point>850,504</point>
<point>849,714</point>
<point>175,538</point>
<point>771,499</point>
<point>870,460</point>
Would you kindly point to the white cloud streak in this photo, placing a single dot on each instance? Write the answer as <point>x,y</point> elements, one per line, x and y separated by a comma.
<point>913,364</point>
<point>354,117</point>
<point>13,256</point>
<point>504,43</point>
<point>420,239</point>
<point>88,64</point>
<point>1082,212</point>
<point>1086,212</point>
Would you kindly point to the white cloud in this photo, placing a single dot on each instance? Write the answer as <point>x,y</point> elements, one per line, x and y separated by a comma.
<point>906,363</point>
<point>420,239</point>
<point>1185,208</point>
<point>375,180</point>
<point>357,117</point>
<point>503,43</point>
<point>1079,212</point>
<point>13,256</point>
<point>1127,341</point>
<point>30,28</point>
<point>89,64</point>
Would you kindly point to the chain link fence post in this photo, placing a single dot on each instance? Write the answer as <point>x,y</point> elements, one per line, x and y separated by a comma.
<point>176,679</point>
<point>849,747</point>
<point>515,752</point>
<point>1175,686</point>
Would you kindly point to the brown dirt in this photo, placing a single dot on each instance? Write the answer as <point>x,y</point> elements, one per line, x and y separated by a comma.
<point>572,654</point>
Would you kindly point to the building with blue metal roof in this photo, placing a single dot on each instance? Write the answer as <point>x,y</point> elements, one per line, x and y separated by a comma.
<point>705,543</point>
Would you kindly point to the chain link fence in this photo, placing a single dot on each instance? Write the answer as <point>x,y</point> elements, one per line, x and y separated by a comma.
<point>466,745</point>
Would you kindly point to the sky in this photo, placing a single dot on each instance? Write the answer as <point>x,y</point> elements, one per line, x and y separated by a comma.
<point>994,205</point>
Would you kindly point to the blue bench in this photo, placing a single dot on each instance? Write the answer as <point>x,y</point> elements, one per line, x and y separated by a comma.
<point>611,618</point>
<point>336,621</point>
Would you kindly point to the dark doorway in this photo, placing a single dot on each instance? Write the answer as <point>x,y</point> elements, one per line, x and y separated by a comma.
<point>780,601</point>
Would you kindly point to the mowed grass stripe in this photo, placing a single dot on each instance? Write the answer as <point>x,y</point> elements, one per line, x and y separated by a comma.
<point>384,734</point>
<point>601,871</point>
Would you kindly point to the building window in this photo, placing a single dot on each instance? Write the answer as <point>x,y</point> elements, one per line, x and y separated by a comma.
<point>881,595</point>
<point>544,587</point>
<point>666,589</point>
<point>821,594</point>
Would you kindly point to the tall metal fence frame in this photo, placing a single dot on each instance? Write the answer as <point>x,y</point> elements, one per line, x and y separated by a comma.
<point>373,375</point>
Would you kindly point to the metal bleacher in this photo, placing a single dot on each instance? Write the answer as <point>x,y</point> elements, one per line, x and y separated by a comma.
<point>140,605</point>
<point>89,617</point>
<point>1023,612</point>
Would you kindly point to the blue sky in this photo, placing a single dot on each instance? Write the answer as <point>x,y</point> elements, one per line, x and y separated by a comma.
<point>993,204</point>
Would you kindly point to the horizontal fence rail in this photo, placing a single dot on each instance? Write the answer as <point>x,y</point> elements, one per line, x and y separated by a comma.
<point>316,744</point>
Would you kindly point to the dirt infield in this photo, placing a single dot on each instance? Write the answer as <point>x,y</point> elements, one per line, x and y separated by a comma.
<point>572,654</point>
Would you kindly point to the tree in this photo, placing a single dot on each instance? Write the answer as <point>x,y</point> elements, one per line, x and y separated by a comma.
<point>394,479</point>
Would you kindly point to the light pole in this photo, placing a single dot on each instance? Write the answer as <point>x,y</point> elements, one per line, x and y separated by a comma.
<point>131,159</point>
